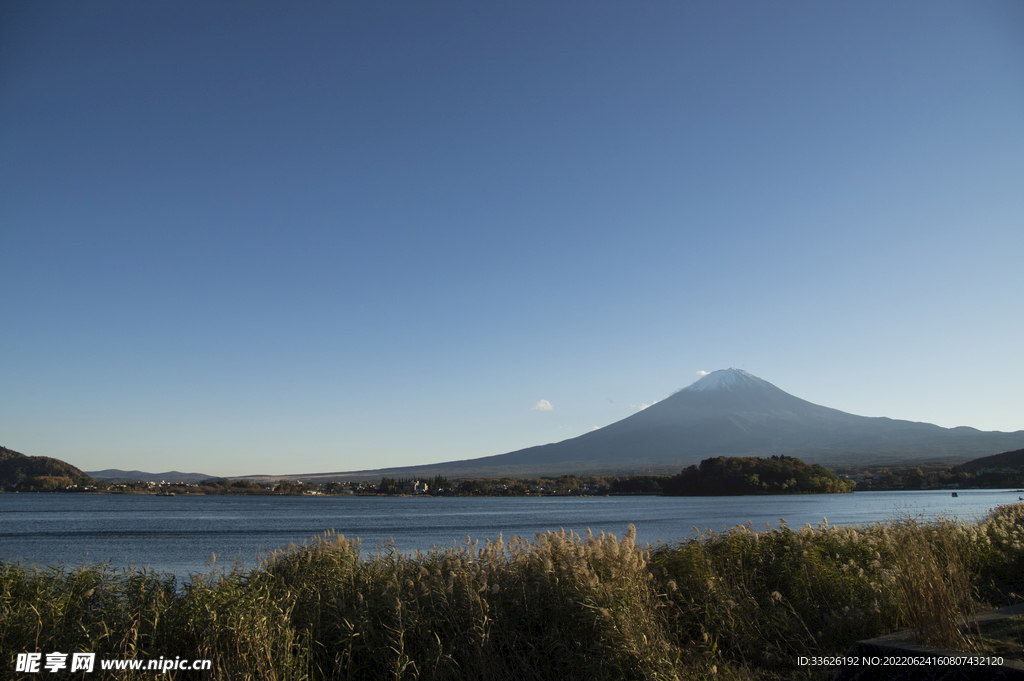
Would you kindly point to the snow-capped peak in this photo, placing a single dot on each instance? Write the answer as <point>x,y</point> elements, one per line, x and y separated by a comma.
<point>724,379</point>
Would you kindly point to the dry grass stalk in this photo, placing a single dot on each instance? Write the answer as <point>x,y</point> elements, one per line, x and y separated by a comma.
<point>936,586</point>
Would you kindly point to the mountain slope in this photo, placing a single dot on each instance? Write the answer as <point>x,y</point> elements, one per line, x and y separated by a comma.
<point>1002,460</point>
<point>732,413</point>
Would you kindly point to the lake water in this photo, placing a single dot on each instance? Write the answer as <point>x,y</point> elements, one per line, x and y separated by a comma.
<point>179,534</point>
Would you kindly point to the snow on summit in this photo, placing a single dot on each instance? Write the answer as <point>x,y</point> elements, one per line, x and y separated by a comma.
<point>724,379</point>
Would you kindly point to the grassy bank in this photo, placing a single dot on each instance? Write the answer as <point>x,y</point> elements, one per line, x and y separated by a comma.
<point>738,604</point>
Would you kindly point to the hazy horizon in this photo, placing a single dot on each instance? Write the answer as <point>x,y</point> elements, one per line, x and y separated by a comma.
<point>347,237</point>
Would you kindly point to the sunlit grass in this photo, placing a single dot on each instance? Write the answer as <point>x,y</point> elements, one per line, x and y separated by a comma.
<point>735,604</point>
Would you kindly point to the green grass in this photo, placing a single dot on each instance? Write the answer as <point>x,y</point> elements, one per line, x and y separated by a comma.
<point>737,604</point>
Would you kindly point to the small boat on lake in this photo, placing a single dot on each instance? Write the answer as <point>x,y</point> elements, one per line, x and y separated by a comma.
<point>165,494</point>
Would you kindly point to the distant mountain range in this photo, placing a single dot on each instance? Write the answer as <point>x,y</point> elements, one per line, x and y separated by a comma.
<point>726,413</point>
<point>117,475</point>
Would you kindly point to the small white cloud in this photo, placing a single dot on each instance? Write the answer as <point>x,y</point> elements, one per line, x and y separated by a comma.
<point>641,406</point>
<point>595,428</point>
<point>565,427</point>
<point>703,373</point>
<point>543,405</point>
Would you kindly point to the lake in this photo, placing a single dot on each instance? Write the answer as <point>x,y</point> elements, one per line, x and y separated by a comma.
<point>179,534</point>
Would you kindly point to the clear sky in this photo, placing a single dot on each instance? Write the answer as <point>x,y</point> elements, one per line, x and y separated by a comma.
<point>257,238</point>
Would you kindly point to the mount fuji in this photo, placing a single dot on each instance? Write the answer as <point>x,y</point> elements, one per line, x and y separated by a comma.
<point>732,413</point>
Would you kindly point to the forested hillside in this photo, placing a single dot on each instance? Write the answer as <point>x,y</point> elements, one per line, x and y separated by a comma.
<point>752,475</point>
<point>26,473</point>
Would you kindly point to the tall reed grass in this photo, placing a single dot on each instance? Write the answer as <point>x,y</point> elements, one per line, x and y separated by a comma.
<point>735,604</point>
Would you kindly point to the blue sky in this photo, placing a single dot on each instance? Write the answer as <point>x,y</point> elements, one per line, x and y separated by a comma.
<point>243,237</point>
